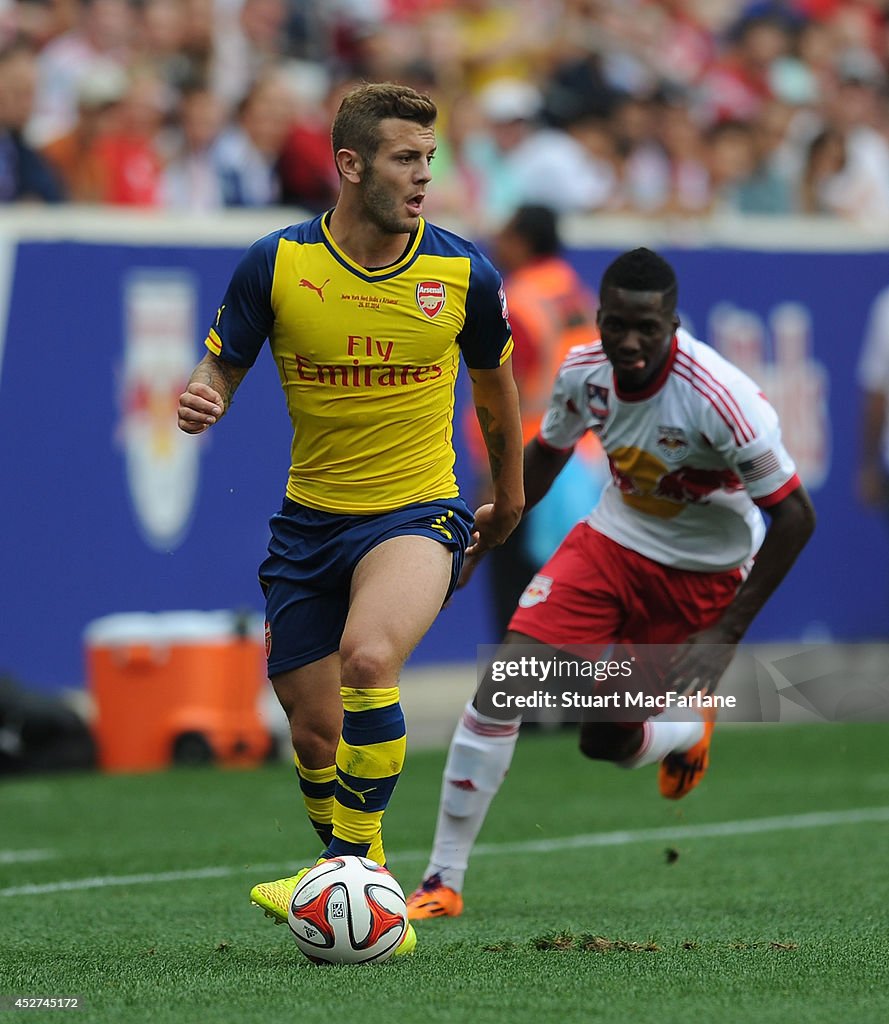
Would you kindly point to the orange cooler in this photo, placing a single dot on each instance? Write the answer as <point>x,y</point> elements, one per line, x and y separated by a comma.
<point>177,688</point>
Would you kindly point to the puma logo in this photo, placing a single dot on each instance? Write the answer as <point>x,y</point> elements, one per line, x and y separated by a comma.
<point>361,795</point>
<point>303,283</point>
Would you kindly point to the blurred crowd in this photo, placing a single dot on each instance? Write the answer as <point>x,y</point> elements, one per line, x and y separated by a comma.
<point>652,107</point>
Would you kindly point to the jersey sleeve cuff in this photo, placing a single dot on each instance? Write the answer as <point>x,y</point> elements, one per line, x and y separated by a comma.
<point>542,441</point>
<point>780,494</point>
<point>507,351</point>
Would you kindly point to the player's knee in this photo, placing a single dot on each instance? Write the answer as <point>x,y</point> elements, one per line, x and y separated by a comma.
<point>369,665</point>
<point>607,741</point>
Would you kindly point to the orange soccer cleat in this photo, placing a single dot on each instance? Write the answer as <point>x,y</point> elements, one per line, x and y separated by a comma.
<point>682,770</point>
<point>433,899</point>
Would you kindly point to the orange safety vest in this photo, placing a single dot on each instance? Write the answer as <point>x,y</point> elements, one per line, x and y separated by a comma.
<point>550,311</point>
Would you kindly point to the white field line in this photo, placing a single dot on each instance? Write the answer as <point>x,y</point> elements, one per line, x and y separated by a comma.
<point>717,830</point>
<point>750,826</point>
<point>25,856</point>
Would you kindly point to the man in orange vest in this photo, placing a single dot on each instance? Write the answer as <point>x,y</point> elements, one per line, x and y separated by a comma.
<point>550,311</point>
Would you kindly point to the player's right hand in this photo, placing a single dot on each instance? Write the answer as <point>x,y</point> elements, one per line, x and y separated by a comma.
<point>200,406</point>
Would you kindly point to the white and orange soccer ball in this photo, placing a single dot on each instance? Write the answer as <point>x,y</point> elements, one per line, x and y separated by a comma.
<point>347,910</point>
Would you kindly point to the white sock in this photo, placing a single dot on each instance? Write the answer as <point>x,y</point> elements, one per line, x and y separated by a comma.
<point>478,760</point>
<point>669,731</point>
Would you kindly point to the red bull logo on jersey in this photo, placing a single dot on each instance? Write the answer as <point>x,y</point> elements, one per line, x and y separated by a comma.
<point>623,481</point>
<point>649,485</point>
<point>672,443</point>
<point>693,485</point>
<point>431,297</point>
<point>538,590</point>
<point>162,463</point>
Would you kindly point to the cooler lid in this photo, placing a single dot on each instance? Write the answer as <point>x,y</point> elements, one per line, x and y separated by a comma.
<point>170,627</point>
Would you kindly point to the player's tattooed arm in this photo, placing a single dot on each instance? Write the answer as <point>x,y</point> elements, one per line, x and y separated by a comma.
<point>221,376</point>
<point>497,408</point>
<point>209,393</point>
<point>495,441</point>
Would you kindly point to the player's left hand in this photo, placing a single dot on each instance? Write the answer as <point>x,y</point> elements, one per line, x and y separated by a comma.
<point>200,406</point>
<point>700,663</point>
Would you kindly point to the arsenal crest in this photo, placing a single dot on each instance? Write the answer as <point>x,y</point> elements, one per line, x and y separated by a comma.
<point>431,298</point>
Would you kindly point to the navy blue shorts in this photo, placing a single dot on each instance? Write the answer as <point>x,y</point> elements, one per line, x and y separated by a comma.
<point>307,576</point>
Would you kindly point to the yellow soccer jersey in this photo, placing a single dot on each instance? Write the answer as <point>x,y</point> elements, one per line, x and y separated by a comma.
<point>368,359</point>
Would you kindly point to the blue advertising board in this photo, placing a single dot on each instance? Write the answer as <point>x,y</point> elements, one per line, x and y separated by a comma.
<point>106,507</point>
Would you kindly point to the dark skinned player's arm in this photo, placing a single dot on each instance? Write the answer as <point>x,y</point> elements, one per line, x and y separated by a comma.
<point>792,522</point>
<point>542,465</point>
<point>706,655</point>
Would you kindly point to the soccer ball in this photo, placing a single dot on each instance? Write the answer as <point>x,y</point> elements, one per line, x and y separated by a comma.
<point>347,910</point>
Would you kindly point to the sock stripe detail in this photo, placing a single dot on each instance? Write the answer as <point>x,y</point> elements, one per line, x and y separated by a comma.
<point>356,794</point>
<point>317,786</point>
<point>342,848</point>
<point>313,774</point>
<point>317,790</point>
<point>371,761</point>
<point>360,828</point>
<point>323,829</point>
<point>489,729</point>
<point>355,699</point>
<point>374,726</point>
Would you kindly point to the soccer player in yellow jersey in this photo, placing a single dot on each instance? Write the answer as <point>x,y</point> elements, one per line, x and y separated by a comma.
<point>367,310</point>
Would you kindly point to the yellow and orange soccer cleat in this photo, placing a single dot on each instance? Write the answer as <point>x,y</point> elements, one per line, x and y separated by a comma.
<point>274,899</point>
<point>682,770</point>
<point>434,899</point>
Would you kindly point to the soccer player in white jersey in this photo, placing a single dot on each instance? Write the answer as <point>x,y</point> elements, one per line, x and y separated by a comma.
<point>666,557</point>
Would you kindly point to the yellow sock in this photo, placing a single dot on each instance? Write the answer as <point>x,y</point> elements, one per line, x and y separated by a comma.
<point>369,759</point>
<point>317,785</point>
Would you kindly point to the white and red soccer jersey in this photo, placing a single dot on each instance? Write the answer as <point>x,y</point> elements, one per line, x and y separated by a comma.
<point>691,457</point>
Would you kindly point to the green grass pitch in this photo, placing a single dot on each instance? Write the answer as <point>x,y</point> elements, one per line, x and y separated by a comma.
<point>762,897</point>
